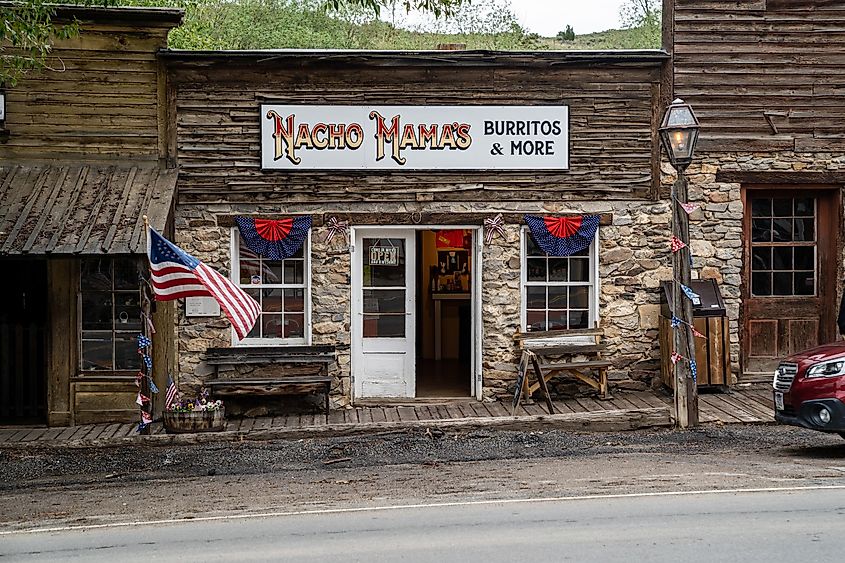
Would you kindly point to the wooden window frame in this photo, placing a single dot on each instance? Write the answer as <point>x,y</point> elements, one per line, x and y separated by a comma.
<point>110,373</point>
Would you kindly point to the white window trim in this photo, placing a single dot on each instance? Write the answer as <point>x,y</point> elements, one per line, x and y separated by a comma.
<point>594,285</point>
<point>234,272</point>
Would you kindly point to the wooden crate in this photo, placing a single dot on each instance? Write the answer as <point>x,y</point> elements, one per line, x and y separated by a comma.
<point>712,354</point>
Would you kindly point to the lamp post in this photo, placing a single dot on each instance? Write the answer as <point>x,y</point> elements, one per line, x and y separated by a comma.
<point>679,134</point>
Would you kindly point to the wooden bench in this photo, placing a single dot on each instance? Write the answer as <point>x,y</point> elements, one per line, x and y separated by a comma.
<point>310,374</point>
<point>546,352</point>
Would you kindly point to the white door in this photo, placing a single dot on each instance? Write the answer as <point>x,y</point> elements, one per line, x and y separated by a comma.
<point>383,307</point>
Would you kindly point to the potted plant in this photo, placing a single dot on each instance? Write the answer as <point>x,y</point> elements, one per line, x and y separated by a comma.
<point>195,415</point>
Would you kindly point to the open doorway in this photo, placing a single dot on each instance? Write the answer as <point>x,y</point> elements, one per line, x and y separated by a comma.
<point>444,313</point>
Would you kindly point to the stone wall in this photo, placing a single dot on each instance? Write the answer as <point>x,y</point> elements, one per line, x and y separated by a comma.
<point>634,258</point>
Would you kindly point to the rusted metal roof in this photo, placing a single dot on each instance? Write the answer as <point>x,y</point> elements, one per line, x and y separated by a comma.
<point>86,209</point>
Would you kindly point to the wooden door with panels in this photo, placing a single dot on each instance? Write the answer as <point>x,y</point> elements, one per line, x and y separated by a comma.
<point>791,240</point>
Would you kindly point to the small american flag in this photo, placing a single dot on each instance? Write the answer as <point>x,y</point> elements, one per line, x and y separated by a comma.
<point>171,394</point>
<point>177,274</point>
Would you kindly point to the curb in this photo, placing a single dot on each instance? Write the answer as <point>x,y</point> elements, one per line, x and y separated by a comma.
<point>601,421</point>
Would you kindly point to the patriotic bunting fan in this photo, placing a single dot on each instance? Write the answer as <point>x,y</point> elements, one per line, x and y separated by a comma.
<point>563,236</point>
<point>275,239</point>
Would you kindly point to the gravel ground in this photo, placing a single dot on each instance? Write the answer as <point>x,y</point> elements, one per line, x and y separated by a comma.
<point>43,485</point>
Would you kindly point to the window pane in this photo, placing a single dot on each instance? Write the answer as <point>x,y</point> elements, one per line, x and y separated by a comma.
<point>585,252</point>
<point>384,326</point>
<point>294,326</point>
<point>254,293</point>
<point>557,298</point>
<point>271,300</point>
<point>244,251</point>
<point>805,283</point>
<point>256,330</point>
<point>96,310</point>
<point>96,350</point>
<point>761,207</point>
<point>579,297</point>
<point>294,300</point>
<point>782,258</point>
<point>533,249</point>
<point>557,320</point>
<point>761,283</point>
<point>782,283</point>
<point>558,269</point>
<point>96,274</point>
<point>127,310</point>
<point>126,274</point>
<point>579,319</point>
<point>761,258</point>
<point>535,297</point>
<point>805,207</point>
<point>536,269</point>
<point>782,230</point>
<point>271,272</point>
<point>536,321</point>
<point>250,272</point>
<point>761,230</point>
<point>384,262</point>
<point>782,207</point>
<point>384,301</point>
<point>579,270</point>
<point>295,271</point>
<point>805,229</point>
<point>126,352</point>
<point>271,325</point>
<point>805,258</point>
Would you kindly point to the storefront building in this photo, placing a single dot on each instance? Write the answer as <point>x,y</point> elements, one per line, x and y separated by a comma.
<point>81,161</point>
<point>415,172</point>
<point>414,152</point>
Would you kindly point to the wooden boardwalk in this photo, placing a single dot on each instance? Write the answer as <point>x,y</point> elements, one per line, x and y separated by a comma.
<point>742,406</point>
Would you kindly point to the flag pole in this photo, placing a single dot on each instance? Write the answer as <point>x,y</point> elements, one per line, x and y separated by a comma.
<point>147,310</point>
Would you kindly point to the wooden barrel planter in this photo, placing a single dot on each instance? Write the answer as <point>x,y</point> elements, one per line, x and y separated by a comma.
<point>194,421</point>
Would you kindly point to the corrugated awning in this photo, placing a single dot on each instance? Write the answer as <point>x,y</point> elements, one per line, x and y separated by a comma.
<point>86,209</point>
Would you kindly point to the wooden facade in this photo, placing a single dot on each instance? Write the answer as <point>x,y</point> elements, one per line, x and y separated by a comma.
<point>84,159</point>
<point>762,75</point>
<point>613,100</point>
<point>765,78</point>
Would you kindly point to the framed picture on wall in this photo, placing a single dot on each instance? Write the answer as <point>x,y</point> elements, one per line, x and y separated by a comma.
<point>452,261</point>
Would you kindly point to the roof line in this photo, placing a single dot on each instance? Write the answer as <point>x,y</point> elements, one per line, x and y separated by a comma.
<point>107,14</point>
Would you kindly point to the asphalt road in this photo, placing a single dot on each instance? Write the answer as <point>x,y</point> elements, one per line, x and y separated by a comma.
<point>795,524</point>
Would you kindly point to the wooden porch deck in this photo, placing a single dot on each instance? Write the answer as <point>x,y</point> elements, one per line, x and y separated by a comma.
<point>742,406</point>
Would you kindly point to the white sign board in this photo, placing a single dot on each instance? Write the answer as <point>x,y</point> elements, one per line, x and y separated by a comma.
<point>201,307</point>
<point>414,137</point>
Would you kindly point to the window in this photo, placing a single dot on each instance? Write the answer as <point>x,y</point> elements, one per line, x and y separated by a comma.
<point>281,287</point>
<point>783,246</point>
<point>110,314</point>
<point>558,292</point>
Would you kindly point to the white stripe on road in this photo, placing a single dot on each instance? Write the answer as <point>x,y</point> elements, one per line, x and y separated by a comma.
<point>415,507</point>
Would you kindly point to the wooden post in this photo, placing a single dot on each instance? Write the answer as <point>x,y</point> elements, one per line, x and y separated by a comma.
<point>686,390</point>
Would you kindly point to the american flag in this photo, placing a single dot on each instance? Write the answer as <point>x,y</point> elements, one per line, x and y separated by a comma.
<point>171,393</point>
<point>177,274</point>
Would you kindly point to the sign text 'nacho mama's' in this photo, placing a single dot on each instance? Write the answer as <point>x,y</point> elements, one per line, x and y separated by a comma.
<point>414,137</point>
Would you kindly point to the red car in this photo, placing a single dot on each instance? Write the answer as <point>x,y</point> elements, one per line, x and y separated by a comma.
<point>809,389</point>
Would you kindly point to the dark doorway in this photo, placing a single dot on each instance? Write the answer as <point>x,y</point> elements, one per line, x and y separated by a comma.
<point>23,358</point>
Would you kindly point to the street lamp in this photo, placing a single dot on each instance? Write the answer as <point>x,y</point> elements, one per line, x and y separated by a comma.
<point>679,134</point>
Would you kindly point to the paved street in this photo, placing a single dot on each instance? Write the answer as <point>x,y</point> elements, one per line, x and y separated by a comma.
<point>761,526</point>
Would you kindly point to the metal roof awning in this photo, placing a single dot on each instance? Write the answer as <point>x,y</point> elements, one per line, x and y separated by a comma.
<point>84,209</point>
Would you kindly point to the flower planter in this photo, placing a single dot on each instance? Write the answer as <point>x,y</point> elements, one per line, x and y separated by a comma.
<point>194,421</point>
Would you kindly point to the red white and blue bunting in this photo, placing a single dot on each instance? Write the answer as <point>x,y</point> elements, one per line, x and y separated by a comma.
<point>563,236</point>
<point>274,239</point>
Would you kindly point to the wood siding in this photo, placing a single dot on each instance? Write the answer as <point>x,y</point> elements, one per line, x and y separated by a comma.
<point>613,108</point>
<point>99,101</point>
<point>762,74</point>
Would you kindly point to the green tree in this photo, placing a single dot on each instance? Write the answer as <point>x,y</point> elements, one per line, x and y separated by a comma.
<point>643,18</point>
<point>566,35</point>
